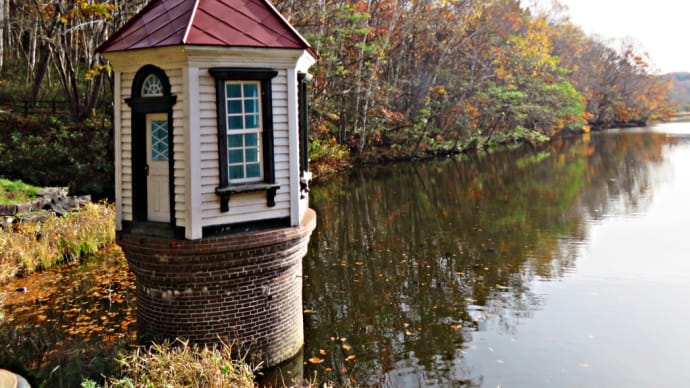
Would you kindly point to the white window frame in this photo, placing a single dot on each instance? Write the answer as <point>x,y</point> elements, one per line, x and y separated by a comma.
<point>258,131</point>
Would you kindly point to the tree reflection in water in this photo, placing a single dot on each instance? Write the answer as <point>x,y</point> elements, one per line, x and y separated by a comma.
<point>410,259</point>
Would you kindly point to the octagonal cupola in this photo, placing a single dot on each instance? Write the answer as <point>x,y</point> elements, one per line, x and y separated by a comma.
<point>211,178</point>
<point>208,131</point>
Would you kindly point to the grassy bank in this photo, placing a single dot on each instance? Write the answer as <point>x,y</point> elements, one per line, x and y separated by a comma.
<point>13,192</point>
<point>30,246</point>
<point>179,364</point>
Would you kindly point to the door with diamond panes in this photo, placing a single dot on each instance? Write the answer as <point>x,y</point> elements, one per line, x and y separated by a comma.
<point>157,170</point>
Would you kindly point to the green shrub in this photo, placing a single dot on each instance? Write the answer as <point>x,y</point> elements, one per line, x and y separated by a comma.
<point>327,156</point>
<point>49,152</point>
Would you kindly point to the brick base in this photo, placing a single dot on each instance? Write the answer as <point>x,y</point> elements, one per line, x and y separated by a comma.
<point>244,289</point>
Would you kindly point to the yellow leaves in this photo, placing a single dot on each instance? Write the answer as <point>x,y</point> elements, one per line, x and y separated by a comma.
<point>347,347</point>
<point>350,358</point>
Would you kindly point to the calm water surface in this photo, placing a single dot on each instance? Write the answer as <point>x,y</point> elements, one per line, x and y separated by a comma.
<point>567,266</point>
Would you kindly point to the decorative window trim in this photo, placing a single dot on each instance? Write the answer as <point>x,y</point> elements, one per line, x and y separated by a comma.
<point>225,187</point>
<point>302,98</point>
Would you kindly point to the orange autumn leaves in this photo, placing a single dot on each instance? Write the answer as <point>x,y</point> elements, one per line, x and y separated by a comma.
<point>340,350</point>
<point>73,305</point>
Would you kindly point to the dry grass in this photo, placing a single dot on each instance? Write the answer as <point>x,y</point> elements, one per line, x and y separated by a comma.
<point>27,247</point>
<point>182,365</point>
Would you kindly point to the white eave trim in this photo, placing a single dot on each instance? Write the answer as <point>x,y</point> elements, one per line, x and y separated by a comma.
<point>191,22</point>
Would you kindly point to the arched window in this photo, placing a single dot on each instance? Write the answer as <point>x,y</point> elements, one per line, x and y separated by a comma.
<point>152,86</point>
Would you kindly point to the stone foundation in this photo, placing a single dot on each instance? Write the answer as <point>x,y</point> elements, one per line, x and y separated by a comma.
<point>244,289</point>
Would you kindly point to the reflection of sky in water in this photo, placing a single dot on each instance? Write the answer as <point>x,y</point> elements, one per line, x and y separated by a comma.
<point>620,317</point>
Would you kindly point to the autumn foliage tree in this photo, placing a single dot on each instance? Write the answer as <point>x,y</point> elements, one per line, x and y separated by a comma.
<point>412,77</point>
<point>395,78</point>
<point>55,42</point>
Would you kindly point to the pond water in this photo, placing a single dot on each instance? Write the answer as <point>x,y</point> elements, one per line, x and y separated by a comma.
<point>567,265</point>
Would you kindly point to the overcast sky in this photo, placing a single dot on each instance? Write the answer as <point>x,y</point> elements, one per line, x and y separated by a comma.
<point>660,27</point>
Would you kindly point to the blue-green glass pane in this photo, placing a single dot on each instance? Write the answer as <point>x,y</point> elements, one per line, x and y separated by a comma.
<point>251,139</point>
<point>251,106</point>
<point>235,156</point>
<point>236,172</point>
<point>251,90</point>
<point>252,155</point>
<point>234,141</point>
<point>235,122</point>
<point>252,121</point>
<point>233,90</point>
<point>253,170</point>
<point>234,106</point>
<point>159,140</point>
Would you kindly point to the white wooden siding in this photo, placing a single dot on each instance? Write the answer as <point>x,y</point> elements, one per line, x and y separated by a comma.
<point>126,145</point>
<point>180,130</point>
<point>202,113</point>
<point>243,207</point>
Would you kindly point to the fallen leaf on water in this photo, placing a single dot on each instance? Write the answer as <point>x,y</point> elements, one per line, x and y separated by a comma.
<point>322,352</point>
<point>328,370</point>
<point>308,311</point>
<point>346,347</point>
<point>315,360</point>
<point>351,357</point>
<point>343,339</point>
<point>456,326</point>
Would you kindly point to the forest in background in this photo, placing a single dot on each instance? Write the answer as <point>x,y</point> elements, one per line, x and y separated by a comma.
<point>395,78</point>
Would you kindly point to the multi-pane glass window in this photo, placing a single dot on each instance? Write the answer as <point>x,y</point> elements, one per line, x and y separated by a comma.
<point>243,125</point>
<point>152,86</point>
<point>159,140</point>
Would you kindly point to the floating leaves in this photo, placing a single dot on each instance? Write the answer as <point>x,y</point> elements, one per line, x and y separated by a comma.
<point>315,360</point>
<point>90,306</point>
<point>339,352</point>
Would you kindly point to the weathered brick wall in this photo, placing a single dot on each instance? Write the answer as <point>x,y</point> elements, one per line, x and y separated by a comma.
<point>244,289</point>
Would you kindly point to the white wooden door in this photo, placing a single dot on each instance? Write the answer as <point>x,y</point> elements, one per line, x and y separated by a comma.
<point>158,175</point>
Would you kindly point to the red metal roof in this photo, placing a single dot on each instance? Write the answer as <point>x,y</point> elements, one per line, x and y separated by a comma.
<point>237,23</point>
